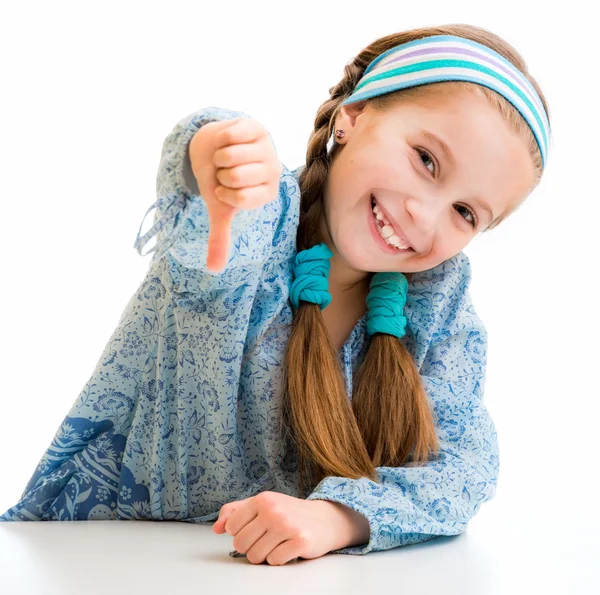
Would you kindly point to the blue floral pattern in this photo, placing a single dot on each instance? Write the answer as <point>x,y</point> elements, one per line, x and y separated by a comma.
<point>180,414</point>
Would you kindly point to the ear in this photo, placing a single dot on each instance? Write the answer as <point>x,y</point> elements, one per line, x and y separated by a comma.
<point>346,117</point>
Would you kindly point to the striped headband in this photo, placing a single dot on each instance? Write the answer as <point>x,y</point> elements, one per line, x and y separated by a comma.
<point>451,58</point>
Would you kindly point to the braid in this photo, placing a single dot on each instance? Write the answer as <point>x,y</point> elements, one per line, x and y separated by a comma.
<point>316,393</point>
<point>313,177</point>
<point>334,436</point>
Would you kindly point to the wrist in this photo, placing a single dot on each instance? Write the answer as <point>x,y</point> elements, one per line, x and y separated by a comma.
<point>351,528</point>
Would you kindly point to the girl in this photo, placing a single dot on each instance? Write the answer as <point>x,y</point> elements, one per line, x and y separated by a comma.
<point>303,355</point>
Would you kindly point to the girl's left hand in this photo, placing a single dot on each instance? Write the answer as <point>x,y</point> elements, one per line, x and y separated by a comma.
<point>278,528</point>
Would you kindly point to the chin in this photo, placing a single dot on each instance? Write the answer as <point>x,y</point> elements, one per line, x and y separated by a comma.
<point>357,258</point>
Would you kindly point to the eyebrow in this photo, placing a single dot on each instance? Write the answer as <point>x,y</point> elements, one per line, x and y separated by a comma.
<point>450,157</point>
<point>440,143</point>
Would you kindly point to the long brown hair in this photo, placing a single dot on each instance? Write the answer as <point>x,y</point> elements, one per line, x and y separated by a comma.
<point>389,421</point>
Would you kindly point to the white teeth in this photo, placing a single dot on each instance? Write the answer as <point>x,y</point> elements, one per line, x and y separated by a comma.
<point>381,217</point>
<point>396,241</point>
<point>387,231</point>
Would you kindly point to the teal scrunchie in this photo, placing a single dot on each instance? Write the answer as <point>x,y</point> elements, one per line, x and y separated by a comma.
<point>311,276</point>
<point>386,301</point>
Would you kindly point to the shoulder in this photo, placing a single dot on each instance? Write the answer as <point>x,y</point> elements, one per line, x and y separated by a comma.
<point>438,299</point>
<point>279,220</point>
<point>446,281</point>
<point>296,172</point>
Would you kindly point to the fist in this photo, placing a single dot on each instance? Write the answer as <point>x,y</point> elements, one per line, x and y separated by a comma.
<point>236,167</point>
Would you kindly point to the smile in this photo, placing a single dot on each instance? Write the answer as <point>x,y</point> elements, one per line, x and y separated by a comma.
<point>384,232</point>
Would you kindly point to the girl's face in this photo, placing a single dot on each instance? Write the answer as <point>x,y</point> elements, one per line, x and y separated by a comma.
<point>437,200</point>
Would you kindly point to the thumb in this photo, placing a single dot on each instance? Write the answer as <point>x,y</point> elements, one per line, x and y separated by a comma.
<point>219,524</point>
<point>220,216</point>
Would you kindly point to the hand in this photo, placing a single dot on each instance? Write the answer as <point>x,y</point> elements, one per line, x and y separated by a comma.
<point>236,167</point>
<point>278,528</point>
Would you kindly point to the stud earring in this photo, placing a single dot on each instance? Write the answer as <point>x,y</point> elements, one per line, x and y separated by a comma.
<point>339,134</point>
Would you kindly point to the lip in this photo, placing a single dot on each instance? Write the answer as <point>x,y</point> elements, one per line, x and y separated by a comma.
<point>384,246</point>
<point>397,229</point>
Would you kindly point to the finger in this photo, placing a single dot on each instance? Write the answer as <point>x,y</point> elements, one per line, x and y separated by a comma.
<point>242,130</point>
<point>240,176</point>
<point>286,551</point>
<point>223,514</point>
<point>240,517</point>
<point>263,547</point>
<point>238,154</point>
<point>250,197</point>
<point>219,525</point>
<point>220,217</point>
<point>249,535</point>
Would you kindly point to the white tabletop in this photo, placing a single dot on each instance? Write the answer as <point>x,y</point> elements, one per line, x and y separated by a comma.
<point>168,557</point>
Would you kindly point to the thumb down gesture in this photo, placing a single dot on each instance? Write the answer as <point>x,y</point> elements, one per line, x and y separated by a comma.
<point>236,167</point>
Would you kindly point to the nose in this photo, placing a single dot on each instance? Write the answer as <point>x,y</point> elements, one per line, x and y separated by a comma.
<point>425,212</point>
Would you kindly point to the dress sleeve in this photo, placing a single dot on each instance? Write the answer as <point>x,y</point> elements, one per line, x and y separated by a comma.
<point>415,504</point>
<point>181,218</point>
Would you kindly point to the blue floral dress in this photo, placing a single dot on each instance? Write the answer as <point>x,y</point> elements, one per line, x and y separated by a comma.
<point>180,413</point>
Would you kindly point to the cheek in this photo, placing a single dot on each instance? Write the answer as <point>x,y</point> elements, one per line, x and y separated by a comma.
<point>399,178</point>
<point>390,177</point>
<point>349,229</point>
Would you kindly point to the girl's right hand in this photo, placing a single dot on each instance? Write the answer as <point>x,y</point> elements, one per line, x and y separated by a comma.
<point>236,167</point>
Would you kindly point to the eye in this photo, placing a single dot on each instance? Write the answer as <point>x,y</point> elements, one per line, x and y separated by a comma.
<point>473,222</point>
<point>421,152</point>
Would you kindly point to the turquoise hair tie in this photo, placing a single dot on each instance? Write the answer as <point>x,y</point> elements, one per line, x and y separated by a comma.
<point>311,276</point>
<point>386,301</point>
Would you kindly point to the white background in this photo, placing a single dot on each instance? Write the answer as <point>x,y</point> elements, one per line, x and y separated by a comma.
<point>90,91</point>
